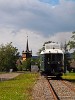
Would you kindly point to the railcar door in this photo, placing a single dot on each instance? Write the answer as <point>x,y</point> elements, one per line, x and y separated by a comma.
<point>56,63</point>
<point>47,62</point>
<point>42,62</point>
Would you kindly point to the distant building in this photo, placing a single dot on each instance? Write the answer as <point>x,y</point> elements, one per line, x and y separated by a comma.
<point>26,54</point>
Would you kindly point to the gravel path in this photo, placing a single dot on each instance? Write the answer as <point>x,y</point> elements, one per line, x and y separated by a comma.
<point>41,90</point>
<point>63,91</point>
<point>7,76</point>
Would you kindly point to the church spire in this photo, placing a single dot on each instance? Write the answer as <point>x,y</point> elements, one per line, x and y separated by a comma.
<point>26,54</point>
<point>27,47</point>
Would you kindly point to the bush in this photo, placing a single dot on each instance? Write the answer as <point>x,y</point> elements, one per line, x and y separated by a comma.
<point>19,67</point>
<point>8,57</point>
<point>25,65</point>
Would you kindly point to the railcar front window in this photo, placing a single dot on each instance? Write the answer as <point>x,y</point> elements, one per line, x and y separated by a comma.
<point>59,57</point>
<point>53,57</point>
<point>56,57</point>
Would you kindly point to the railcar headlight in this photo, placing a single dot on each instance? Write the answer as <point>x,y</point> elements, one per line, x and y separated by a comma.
<point>58,62</point>
<point>48,62</point>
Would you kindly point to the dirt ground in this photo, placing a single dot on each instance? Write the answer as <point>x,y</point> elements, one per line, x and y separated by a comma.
<point>7,76</point>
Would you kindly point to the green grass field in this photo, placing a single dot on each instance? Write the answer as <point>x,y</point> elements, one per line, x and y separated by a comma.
<point>19,88</point>
<point>69,77</point>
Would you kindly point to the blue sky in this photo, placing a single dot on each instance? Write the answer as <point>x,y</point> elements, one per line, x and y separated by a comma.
<point>53,2</point>
<point>41,20</point>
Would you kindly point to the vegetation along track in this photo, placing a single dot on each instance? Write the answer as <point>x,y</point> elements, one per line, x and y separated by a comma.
<point>61,89</point>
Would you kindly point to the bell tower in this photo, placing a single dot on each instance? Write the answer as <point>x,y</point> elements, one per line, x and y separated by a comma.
<point>26,54</point>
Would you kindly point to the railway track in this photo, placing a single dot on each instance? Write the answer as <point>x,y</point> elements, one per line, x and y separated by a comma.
<point>48,88</point>
<point>60,89</point>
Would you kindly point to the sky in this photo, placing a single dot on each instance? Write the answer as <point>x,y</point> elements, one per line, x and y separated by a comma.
<point>41,20</point>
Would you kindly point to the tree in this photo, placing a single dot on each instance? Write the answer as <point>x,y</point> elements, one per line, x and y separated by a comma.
<point>19,65</point>
<point>8,57</point>
<point>35,60</point>
<point>72,42</point>
<point>26,65</point>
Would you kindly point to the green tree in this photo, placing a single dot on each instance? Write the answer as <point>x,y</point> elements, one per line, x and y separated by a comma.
<point>8,57</point>
<point>72,42</point>
<point>19,65</point>
<point>26,65</point>
<point>35,61</point>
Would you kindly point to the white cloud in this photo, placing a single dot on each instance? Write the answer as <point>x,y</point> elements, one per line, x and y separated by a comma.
<point>19,39</point>
<point>36,40</point>
<point>61,37</point>
<point>38,16</point>
<point>41,21</point>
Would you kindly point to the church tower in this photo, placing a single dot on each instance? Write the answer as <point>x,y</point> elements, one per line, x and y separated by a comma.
<point>26,54</point>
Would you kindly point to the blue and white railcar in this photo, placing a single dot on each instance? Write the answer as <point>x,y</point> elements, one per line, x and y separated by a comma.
<point>52,59</point>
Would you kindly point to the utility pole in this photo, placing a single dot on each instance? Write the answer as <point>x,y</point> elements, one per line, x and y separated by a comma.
<point>65,57</point>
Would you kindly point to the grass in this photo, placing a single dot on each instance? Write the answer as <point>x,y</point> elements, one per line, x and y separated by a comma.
<point>69,77</point>
<point>19,88</point>
<point>2,72</point>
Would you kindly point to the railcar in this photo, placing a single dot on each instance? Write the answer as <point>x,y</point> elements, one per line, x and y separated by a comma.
<point>52,59</point>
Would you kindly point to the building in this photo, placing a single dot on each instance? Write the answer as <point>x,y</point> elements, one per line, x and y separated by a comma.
<point>26,54</point>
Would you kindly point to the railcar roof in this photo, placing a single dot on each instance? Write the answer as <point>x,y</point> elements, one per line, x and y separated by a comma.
<point>53,51</point>
<point>52,45</point>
